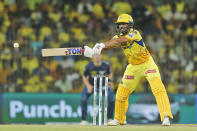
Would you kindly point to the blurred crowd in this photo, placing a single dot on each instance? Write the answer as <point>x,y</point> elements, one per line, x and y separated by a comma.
<point>169,29</point>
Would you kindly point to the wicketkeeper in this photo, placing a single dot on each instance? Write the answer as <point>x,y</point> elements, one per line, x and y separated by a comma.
<point>96,67</point>
<point>141,64</point>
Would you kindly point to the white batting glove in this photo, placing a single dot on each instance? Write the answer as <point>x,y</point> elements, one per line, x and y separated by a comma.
<point>88,51</point>
<point>98,48</point>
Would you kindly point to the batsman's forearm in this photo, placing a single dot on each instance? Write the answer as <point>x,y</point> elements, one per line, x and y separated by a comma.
<point>105,49</point>
<point>116,42</point>
<point>112,44</point>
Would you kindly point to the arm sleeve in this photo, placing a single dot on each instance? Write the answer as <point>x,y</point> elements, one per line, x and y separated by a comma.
<point>114,37</point>
<point>86,71</point>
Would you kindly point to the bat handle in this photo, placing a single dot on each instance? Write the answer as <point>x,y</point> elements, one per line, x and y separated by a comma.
<point>83,50</point>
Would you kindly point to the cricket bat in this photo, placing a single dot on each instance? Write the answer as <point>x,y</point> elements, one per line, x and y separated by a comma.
<point>62,51</point>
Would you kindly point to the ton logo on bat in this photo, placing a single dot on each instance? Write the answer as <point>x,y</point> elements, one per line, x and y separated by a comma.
<point>73,51</point>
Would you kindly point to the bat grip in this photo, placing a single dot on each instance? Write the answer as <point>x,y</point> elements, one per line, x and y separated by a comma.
<point>83,50</point>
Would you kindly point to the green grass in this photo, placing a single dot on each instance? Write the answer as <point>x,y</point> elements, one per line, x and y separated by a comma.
<point>174,127</point>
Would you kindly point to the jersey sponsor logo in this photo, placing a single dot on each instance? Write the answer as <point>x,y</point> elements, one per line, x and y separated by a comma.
<point>131,35</point>
<point>129,77</point>
<point>151,71</point>
<point>93,73</point>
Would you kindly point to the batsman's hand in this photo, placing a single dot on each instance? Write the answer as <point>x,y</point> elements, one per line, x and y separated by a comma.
<point>98,48</point>
<point>88,51</point>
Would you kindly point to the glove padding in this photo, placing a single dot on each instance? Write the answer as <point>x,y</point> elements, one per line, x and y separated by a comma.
<point>98,48</point>
<point>88,51</point>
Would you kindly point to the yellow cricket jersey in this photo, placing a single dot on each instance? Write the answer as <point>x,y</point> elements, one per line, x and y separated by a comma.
<point>135,50</point>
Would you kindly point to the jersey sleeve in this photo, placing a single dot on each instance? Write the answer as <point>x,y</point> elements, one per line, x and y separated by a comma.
<point>114,37</point>
<point>86,71</point>
<point>133,35</point>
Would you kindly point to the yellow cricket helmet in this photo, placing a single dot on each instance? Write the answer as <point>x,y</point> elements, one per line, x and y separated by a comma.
<point>125,18</point>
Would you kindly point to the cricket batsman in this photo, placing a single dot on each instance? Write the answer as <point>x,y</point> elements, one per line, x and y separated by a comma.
<point>141,64</point>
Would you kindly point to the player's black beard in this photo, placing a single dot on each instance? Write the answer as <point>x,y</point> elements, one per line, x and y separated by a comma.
<point>124,31</point>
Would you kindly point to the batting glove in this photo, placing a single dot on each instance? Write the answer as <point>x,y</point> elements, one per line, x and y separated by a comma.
<point>98,48</point>
<point>88,52</point>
